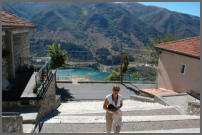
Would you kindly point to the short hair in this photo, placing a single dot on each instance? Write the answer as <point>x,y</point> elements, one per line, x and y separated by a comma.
<point>116,87</point>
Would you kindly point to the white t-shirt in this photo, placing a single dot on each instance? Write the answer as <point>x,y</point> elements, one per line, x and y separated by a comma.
<point>109,97</point>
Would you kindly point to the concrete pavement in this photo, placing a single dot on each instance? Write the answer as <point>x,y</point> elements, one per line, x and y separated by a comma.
<point>138,117</point>
<point>82,112</point>
<point>97,91</point>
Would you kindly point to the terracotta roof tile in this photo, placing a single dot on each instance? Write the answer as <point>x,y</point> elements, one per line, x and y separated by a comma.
<point>188,46</point>
<point>9,19</point>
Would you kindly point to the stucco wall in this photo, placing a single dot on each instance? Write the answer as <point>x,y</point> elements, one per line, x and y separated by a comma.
<point>12,124</point>
<point>169,75</point>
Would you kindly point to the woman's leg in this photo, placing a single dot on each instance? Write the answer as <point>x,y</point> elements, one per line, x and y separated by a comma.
<point>108,122</point>
<point>118,128</point>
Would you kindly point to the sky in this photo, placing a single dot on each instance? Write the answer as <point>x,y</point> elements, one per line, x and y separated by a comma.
<point>192,8</point>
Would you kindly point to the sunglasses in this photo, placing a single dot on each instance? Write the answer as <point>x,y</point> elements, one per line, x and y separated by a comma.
<point>116,90</point>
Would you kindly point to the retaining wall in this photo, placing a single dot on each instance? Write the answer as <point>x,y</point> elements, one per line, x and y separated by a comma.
<point>193,108</point>
<point>12,124</point>
<point>49,101</point>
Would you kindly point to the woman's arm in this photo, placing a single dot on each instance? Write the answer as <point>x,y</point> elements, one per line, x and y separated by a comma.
<point>106,102</point>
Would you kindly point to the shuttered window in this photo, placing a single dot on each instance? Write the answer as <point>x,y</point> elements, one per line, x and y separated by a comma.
<point>182,71</point>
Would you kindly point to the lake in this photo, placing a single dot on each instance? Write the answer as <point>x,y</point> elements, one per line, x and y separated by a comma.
<point>94,75</point>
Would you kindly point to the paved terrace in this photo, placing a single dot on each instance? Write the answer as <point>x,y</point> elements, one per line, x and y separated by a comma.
<point>97,91</point>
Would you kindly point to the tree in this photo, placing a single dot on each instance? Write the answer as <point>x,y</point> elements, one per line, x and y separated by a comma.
<point>158,40</point>
<point>123,66</point>
<point>58,56</point>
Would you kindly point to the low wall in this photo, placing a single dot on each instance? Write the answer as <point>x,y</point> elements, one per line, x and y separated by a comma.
<point>49,101</point>
<point>12,124</point>
<point>125,82</point>
<point>142,98</point>
<point>22,103</point>
<point>145,94</point>
<point>193,108</point>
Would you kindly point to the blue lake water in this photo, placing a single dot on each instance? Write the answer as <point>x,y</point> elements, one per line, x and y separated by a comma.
<point>93,74</point>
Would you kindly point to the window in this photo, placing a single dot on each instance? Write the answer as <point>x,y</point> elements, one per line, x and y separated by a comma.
<point>182,71</point>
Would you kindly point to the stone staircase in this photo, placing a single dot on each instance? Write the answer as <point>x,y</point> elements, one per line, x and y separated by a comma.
<point>87,116</point>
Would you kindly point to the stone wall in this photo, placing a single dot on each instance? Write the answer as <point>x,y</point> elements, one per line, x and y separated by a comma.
<point>193,108</point>
<point>4,62</point>
<point>12,124</point>
<point>4,68</point>
<point>21,47</point>
<point>49,102</point>
<point>22,103</point>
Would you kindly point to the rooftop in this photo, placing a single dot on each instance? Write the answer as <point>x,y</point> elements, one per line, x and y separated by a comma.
<point>188,46</point>
<point>10,20</point>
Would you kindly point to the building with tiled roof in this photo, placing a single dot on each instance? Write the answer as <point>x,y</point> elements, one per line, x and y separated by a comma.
<point>179,65</point>
<point>188,47</point>
<point>20,84</point>
<point>15,45</point>
<point>11,20</point>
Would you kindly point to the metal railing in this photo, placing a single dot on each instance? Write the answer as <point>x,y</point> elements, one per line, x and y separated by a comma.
<point>34,61</point>
<point>43,78</point>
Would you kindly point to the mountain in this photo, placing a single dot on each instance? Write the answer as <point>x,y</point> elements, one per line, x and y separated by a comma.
<point>93,21</point>
<point>165,21</point>
<point>25,9</point>
<point>98,25</point>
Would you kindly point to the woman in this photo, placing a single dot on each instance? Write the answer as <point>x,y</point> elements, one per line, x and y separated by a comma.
<point>113,115</point>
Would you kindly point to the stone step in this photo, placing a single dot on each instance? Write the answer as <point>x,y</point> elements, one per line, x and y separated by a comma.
<point>29,118</point>
<point>75,107</point>
<point>165,111</point>
<point>183,130</point>
<point>29,114</point>
<point>144,126</point>
<point>134,119</point>
<point>101,110</point>
<point>28,128</point>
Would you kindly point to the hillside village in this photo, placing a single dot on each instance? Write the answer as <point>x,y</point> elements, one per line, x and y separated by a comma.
<point>35,101</point>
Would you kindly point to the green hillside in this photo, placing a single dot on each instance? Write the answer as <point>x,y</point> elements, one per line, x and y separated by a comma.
<point>91,26</point>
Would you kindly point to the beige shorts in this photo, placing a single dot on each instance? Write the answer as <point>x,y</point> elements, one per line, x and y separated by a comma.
<point>109,120</point>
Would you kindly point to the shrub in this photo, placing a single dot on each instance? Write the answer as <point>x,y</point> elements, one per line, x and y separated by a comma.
<point>114,76</point>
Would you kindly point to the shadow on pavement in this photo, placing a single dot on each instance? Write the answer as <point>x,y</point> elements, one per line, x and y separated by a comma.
<point>40,123</point>
<point>65,95</point>
<point>50,115</point>
<point>134,88</point>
